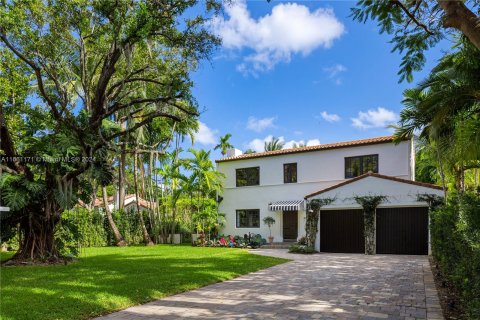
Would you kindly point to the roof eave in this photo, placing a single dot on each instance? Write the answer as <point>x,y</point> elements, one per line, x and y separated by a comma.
<point>331,146</point>
<point>376,175</point>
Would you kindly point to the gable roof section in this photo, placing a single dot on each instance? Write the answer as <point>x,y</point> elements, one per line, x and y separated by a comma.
<point>328,146</point>
<point>376,175</point>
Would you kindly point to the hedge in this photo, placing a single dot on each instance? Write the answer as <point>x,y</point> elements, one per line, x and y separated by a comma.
<point>80,228</point>
<point>455,231</point>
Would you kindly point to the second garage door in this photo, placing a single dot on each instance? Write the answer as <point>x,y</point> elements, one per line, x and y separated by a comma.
<point>402,230</point>
<point>342,231</point>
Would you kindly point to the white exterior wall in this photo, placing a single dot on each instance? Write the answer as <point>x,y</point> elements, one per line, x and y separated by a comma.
<point>399,194</point>
<point>316,170</point>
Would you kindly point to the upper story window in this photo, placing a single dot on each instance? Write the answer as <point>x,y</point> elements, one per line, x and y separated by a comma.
<point>248,218</point>
<point>290,173</point>
<point>248,177</point>
<point>356,166</point>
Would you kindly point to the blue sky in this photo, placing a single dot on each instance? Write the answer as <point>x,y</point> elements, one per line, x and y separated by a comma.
<point>303,71</point>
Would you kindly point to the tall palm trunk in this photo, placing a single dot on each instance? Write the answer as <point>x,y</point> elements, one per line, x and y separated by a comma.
<point>116,233</point>
<point>121,169</point>
<point>442,174</point>
<point>121,179</point>
<point>142,177</point>
<point>146,237</point>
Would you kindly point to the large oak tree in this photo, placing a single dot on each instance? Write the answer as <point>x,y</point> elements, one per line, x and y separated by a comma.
<point>74,70</point>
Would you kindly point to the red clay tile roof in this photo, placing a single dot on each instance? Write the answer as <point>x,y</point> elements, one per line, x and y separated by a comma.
<point>337,145</point>
<point>377,175</point>
<point>142,202</point>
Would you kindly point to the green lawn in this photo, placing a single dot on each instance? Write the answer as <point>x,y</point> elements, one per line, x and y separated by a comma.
<point>108,279</point>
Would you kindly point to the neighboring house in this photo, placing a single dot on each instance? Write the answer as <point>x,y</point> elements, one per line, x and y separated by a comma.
<point>129,204</point>
<point>279,183</point>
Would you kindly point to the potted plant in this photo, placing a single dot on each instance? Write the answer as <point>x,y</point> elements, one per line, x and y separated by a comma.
<point>269,221</point>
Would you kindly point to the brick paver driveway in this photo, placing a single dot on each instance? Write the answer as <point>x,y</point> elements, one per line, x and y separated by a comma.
<point>320,286</point>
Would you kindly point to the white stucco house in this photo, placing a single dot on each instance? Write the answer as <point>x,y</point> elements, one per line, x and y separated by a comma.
<point>280,184</point>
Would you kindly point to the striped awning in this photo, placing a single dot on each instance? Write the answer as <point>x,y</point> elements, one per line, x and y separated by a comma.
<point>290,205</point>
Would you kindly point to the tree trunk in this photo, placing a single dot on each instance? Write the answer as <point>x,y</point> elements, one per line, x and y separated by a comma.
<point>116,233</point>
<point>146,237</point>
<point>121,179</point>
<point>38,241</point>
<point>174,225</point>
<point>121,168</point>
<point>142,177</point>
<point>458,16</point>
<point>442,174</point>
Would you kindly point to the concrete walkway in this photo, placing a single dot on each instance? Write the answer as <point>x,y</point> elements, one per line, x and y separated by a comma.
<point>319,286</point>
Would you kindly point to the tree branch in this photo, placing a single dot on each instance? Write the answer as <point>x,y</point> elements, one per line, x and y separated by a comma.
<point>460,17</point>
<point>149,118</point>
<point>412,16</point>
<point>38,74</point>
<point>6,144</point>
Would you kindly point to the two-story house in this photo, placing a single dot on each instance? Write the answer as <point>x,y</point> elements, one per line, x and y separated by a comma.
<point>280,183</point>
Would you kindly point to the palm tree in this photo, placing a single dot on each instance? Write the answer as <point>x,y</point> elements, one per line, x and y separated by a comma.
<point>274,144</point>
<point>224,144</point>
<point>146,237</point>
<point>445,110</point>
<point>207,179</point>
<point>116,233</point>
<point>204,179</point>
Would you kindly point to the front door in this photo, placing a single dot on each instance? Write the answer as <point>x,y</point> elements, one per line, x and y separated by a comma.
<point>290,225</point>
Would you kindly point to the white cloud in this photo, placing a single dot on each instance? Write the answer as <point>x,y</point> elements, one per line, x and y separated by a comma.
<point>291,143</point>
<point>374,118</point>
<point>258,145</point>
<point>205,135</point>
<point>289,29</point>
<point>313,142</point>
<point>335,70</point>
<point>330,117</point>
<point>258,125</point>
<point>334,73</point>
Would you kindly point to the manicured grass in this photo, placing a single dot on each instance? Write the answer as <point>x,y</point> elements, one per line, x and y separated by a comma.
<point>109,279</point>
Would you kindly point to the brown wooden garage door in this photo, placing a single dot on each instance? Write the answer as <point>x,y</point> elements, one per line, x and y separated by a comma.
<point>342,231</point>
<point>402,230</point>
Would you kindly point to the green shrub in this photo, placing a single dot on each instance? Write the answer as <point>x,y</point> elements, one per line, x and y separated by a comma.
<point>86,226</point>
<point>128,224</point>
<point>295,248</point>
<point>455,231</point>
<point>302,241</point>
<point>67,236</point>
<point>80,228</point>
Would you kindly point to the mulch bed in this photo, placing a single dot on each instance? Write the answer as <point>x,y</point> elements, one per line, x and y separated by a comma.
<point>450,298</point>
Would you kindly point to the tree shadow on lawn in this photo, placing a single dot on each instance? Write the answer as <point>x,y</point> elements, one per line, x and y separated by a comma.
<point>102,283</point>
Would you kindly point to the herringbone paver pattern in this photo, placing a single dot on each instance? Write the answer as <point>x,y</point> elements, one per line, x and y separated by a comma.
<point>320,286</point>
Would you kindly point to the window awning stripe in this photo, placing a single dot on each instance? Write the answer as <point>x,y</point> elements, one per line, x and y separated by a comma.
<point>286,205</point>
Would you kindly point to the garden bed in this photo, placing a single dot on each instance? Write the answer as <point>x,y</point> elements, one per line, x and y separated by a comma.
<point>450,297</point>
